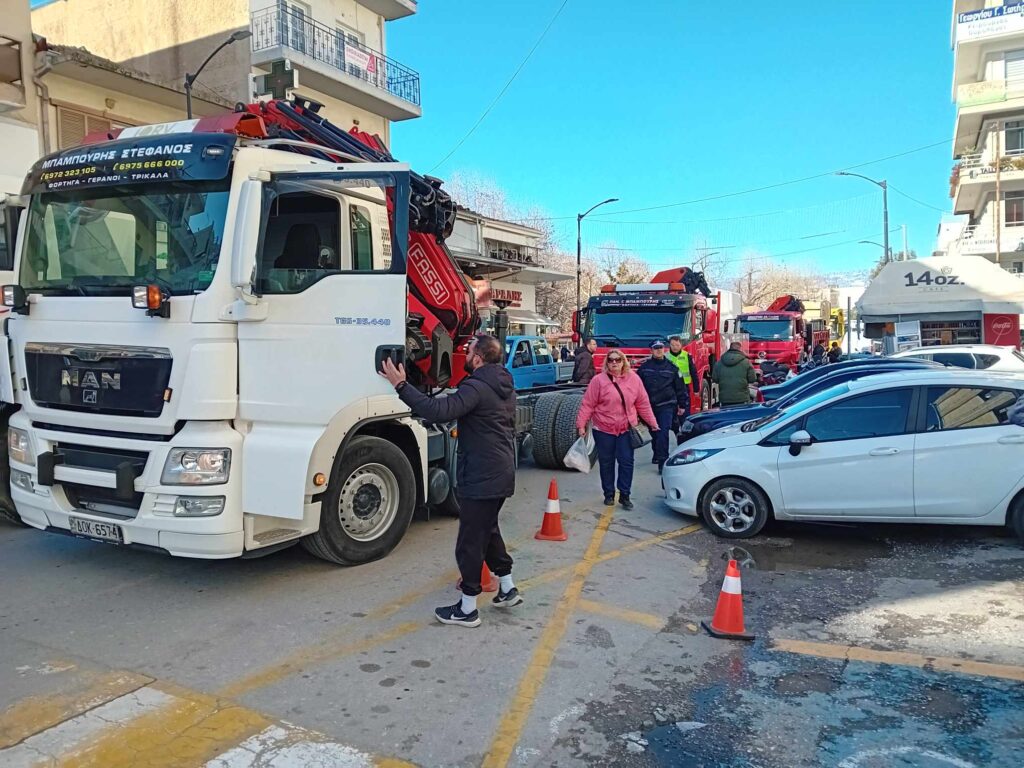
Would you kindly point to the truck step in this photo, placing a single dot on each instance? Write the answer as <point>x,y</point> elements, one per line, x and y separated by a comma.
<point>275,536</point>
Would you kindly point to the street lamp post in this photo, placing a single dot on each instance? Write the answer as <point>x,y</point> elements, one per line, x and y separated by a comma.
<point>885,207</point>
<point>241,34</point>
<point>579,243</point>
<point>872,242</point>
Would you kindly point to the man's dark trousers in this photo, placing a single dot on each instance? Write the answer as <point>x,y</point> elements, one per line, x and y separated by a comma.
<point>665,414</point>
<point>480,541</point>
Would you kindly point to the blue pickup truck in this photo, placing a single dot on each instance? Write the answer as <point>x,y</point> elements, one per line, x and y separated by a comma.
<point>532,364</point>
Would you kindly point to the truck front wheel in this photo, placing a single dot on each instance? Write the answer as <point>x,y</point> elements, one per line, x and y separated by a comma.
<point>368,504</point>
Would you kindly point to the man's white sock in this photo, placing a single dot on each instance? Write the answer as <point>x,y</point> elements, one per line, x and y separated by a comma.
<point>506,583</point>
<point>468,603</point>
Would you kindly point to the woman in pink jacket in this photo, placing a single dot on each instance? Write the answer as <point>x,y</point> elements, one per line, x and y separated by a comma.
<point>612,416</point>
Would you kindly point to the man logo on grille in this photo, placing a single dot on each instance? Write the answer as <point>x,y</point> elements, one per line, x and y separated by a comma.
<point>89,397</point>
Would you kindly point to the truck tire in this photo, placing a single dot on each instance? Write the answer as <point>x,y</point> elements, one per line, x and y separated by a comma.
<point>545,411</point>
<point>368,504</point>
<point>565,426</point>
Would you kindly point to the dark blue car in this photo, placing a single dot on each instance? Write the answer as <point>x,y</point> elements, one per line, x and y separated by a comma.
<point>785,394</point>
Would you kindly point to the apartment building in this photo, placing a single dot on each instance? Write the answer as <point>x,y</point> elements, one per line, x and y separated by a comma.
<point>330,51</point>
<point>987,180</point>
<point>19,115</point>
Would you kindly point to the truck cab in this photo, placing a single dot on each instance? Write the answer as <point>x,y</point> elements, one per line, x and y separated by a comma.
<point>531,362</point>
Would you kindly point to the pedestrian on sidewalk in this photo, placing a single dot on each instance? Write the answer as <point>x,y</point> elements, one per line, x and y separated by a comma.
<point>615,400</point>
<point>670,398</point>
<point>834,353</point>
<point>583,366</point>
<point>485,406</point>
<point>734,374</point>
<point>688,371</point>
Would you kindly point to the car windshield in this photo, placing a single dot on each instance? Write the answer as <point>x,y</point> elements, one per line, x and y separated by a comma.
<point>767,330</point>
<point>798,407</point>
<point>102,242</point>
<point>637,328</point>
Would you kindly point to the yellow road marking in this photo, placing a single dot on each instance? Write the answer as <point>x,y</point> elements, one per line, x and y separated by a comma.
<point>192,730</point>
<point>622,614</point>
<point>311,655</point>
<point>900,658</point>
<point>86,691</point>
<point>518,711</point>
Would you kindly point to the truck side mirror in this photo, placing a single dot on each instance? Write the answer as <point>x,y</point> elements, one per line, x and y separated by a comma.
<point>10,215</point>
<point>799,440</point>
<point>246,236</point>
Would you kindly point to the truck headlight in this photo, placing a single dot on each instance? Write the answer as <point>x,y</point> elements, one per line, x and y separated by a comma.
<point>691,456</point>
<point>196,466</point>
<point>19,447</point>
<point>198,506</point>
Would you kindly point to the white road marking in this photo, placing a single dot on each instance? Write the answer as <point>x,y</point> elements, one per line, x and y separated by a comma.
<point>67,736</point>
<point>290,747</point>
<point>574,711</point>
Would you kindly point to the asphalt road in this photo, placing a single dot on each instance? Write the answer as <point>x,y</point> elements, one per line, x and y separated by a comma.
<point>876,646</point>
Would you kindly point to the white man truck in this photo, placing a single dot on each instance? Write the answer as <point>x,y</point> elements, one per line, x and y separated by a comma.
<point>199,314</point>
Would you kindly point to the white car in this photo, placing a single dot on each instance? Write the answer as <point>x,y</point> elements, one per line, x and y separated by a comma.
<point>929,446</point>
<point>986,357</point>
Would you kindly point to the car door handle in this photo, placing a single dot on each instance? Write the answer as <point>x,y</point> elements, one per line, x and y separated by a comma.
<point>1011,439</point>
<point>884,452</point>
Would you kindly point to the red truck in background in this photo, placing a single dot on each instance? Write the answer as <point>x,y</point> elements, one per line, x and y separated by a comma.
<point>629,317</point>
<point>783,333</point>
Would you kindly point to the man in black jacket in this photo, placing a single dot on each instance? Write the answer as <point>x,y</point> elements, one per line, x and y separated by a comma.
<point>669,396</point>
<point>485,405</point>
<point>583,367</point>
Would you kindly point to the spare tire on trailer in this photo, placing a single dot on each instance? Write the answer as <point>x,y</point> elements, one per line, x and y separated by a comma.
<point>545,411</point>
<point>565,426</point>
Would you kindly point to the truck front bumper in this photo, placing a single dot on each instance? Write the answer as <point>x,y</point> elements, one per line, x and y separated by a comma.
<point>148,520</point>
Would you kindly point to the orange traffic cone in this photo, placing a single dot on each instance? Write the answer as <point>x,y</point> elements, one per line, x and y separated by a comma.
<point>487,581</point>
<point>551,527</point>
<point>728,619</point>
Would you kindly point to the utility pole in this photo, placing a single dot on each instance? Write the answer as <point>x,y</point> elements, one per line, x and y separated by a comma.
<point>906,250</point>
<point>579,243</point>
<point>999,196</point>
<point>885,219</point>
<point>849,325</point>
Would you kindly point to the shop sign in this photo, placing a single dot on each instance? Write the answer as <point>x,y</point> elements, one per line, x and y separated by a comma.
<point>1002,330</point>
<point>989,22</point>
<point>929,280</point>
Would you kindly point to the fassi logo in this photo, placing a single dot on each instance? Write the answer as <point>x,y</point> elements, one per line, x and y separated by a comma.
<point>435,287</point>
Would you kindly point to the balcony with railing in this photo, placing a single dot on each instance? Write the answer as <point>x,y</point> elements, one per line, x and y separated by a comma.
<point>974,174</point>
<point>334,62</point>
<point>981,240</point>
<point>391,9</point>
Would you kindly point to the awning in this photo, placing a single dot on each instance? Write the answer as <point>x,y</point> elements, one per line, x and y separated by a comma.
<point>525,316</point>
<point>939,286</point>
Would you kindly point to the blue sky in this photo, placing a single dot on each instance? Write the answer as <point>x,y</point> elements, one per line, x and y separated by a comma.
<point>671,100</point>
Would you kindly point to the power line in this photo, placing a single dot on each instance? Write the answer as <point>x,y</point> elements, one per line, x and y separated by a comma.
<point>760,189</point>
<point>915,200</point>
<point>716,247</point>
<point>505,88</point>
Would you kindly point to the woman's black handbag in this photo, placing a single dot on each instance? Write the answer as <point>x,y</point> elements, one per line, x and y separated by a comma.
<point>635,438</point>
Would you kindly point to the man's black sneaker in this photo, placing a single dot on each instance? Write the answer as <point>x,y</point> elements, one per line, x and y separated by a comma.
<point>624,501</point>
<point>609,500</point>
<point>452,614</point>
<point>507,599</point>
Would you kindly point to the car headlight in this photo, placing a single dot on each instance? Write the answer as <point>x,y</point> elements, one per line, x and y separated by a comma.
<point>19,447</point>
<point>196,466</point>
<point>691,456</point>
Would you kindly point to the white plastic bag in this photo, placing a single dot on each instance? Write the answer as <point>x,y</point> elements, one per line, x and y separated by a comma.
<point>582,454</point>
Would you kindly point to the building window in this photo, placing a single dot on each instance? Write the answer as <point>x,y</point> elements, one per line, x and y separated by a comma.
<point>1018,267</point>
<point>73,126</point>
<point>952,332</point>
<point>1013,209</point>
<point>1013,137</point>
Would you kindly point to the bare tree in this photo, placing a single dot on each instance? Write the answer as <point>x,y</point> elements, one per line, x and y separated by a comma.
<point>759,282</point>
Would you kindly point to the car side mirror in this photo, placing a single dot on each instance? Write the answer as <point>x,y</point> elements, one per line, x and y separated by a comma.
<point>799,440</point>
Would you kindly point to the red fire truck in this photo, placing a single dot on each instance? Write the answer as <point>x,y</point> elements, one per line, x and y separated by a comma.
<point>629,317</point>
<point>782,333</point>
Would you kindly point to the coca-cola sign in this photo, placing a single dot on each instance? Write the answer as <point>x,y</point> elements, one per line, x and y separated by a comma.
<point>1003,330</point>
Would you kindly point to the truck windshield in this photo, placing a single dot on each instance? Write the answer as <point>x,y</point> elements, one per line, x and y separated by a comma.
<point>767,330</point>
<point>631,328</point>
<point>104,241</point>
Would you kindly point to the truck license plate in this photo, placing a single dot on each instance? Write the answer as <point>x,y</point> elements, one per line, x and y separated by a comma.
<point>94,530</point>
